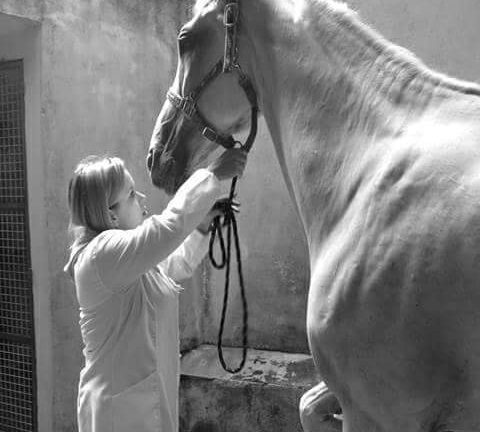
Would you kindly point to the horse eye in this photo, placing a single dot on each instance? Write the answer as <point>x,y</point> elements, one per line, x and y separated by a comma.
<point>182,35</point>
<point>184,41</point>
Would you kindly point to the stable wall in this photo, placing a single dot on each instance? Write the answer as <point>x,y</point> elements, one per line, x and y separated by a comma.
<point>105,66</point>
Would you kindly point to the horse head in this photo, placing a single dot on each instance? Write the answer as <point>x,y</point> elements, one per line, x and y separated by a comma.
<point>204,105</point>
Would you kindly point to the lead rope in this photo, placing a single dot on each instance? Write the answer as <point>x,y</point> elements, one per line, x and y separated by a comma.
<point>231,223</point>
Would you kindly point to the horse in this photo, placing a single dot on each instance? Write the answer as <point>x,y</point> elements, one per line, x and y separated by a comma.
<point>381,158</point>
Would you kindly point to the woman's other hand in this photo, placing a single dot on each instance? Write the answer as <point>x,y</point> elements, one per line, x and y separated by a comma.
<point>218,209</point>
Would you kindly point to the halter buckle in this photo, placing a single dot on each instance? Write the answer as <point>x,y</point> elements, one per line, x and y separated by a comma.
<point>230,15</point>
<point>188,106</point>
<point>210,134</point>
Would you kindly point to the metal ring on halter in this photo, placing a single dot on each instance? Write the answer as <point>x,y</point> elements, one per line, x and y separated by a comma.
<point>233,8</point>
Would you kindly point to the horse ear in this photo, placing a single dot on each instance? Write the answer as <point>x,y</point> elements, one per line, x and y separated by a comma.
<point>220,7</point>
<point>208,6</point>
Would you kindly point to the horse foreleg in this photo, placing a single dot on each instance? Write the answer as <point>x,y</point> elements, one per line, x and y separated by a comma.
<point>320,410</point>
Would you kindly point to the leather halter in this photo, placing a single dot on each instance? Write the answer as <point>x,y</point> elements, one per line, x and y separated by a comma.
<point>228,64</point>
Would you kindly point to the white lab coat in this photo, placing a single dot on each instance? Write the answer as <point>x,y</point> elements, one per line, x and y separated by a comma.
<point>129,314</point>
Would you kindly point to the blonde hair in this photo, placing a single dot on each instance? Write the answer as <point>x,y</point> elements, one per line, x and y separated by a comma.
<point>94,186</point>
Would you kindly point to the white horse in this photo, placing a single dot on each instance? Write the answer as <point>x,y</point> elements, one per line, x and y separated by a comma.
<point>381,156</point>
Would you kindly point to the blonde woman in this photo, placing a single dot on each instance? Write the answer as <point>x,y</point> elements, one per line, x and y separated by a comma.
<point>126,266</point>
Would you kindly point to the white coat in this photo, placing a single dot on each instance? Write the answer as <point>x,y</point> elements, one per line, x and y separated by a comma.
<point>129,314</point>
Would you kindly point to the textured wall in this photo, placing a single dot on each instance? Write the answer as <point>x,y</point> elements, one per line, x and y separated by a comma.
<point>31,9</point>
<point>105,66</point>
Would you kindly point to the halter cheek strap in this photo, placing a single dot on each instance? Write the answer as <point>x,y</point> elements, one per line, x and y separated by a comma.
<point>230,20</point>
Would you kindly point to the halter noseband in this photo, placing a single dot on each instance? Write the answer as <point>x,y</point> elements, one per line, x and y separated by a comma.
<point>188,104</point>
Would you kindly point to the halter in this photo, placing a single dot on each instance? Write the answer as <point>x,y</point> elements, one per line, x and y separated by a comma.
<point>228,64</point>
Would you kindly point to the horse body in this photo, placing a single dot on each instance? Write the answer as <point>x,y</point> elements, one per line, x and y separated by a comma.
<point>393,301</point>
<point>380,156</point>
<point>388,193</point>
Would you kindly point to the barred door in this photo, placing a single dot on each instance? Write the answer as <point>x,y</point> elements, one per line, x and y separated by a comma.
<point>17,347</point>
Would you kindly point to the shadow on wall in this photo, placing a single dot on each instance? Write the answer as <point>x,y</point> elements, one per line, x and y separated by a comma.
<point>206,426</point>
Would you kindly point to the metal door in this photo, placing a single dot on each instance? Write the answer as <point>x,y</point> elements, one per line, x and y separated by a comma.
<point>17,341</point>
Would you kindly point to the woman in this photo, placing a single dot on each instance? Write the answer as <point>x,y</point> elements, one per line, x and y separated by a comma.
<point>126,266</point>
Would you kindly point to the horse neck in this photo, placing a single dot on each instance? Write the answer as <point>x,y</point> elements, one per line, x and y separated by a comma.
<point>330,89</point>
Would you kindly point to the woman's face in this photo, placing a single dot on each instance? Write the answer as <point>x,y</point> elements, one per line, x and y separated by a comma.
<point>129,208</point>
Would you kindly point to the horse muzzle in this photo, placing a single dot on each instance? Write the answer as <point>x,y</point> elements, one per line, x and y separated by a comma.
<point>161,160</point>
<point>163,171</point>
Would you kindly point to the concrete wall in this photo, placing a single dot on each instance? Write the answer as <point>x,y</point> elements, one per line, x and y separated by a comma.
<point>96,76</point>
<point>29,9</point>
<point>105,70</point>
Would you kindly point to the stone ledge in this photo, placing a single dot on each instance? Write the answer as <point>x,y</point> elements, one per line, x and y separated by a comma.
<point>267,367</point>
<point>263,397</point>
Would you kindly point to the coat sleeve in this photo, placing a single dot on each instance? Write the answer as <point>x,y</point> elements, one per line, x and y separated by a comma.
<point>122,256</point>
<point>185,259</point>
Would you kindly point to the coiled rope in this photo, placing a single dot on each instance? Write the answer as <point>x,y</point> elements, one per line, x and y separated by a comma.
<point>230,222</point>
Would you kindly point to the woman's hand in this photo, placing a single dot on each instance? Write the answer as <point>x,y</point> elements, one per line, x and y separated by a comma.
<point>230,163</point>
<point>217,210</point>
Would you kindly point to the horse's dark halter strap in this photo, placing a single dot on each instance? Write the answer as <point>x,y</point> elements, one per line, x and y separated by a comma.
<point>188,106</point>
